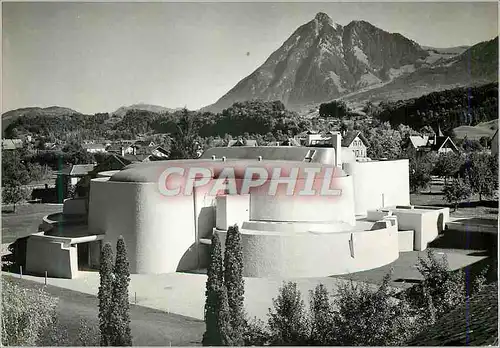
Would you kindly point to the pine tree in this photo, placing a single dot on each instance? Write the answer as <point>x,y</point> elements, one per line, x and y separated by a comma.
<point>216,307</point>
<point>105,293</point>
<point>235,285</point>
<point>121,308</point>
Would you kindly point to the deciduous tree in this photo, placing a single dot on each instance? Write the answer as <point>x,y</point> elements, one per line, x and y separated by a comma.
<point>322,317</point>
<point>288,321</point>
<point>420,173</point>
<point>447,165</point>
<point>456,191</point>
<point>481,174</point>
<point>370,317</point>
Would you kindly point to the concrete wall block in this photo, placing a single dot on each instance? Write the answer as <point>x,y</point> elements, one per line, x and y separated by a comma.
<point>74,206</point>
<point>316,255</point>
<point>45,254</point>
<point>232,209</point>
<point>405,240</point>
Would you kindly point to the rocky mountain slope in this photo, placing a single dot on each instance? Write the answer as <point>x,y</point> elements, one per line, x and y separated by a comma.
<point>323,60</point>
<point>477,65</point>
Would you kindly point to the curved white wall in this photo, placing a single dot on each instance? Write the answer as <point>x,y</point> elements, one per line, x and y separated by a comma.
<point>296,208</point>
<point>373,178</point>
<point>158,230</point>
<point>316,255</point>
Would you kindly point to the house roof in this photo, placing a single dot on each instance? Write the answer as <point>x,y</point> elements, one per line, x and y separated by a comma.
<point>240,142</point>
<point>94,146</point>
<point>349,137</point>
<point>441,141</point>
<point>11,144</point>
<point>418,141</point>
<point>143,143</point>
<point>474,323</point>
<point>76,170</point>
<point>135,158</point>
<point>114,147</point>
<point>113,162</point>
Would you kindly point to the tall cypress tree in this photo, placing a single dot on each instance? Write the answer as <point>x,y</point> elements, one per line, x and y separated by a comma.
<point>121,308</point>
<point>216,307</point>
<point>235,285</point>
<point>105,294</point>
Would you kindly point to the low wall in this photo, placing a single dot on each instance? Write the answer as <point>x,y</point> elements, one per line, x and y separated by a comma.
<point>54,255</point>
<point>427,224</point>
<point>75,206</point>
<point>316,255</point>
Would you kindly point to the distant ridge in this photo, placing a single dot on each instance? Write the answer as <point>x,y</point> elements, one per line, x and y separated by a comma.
<point>10,116</point>
<point>120,112</point>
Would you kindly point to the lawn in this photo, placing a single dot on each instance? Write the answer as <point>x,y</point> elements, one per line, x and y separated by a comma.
<point>25,220</point>
<point>472,208</point>
<point>149,327</point>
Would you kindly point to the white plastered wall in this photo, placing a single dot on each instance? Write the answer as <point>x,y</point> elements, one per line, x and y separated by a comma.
<point>379,183</point>
<point>296,208</point>
<point>157,230</point>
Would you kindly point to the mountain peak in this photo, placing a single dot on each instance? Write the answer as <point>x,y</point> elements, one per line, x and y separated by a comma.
<point>322,17</point>
<point>322,61</point>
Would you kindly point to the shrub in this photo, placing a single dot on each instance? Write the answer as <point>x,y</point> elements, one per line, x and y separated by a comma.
<point>56,335</point>
<point>13,194</point>
<point>456,191</point>
<point>26,314</point>
<point>88,334</point>
<point>255,333</point>
<point>288,322</point>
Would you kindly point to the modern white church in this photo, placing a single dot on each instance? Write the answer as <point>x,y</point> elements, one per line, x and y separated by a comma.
<point>365,225</point>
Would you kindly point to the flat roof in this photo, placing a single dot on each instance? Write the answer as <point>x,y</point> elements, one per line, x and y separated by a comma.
<point>151,171</point>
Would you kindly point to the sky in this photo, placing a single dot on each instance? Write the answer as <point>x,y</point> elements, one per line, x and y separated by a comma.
<point>96,57</point>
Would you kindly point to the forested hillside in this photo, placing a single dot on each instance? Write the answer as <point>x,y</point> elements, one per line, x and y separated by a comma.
<point>448,109</point>
<point>253,117</point>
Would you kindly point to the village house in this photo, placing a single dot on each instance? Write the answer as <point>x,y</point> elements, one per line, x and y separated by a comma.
<point>11,144</point>
<point>94,148</point>
<point>420,144</point>
<point>355,141</point>
<point>147,154</point>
